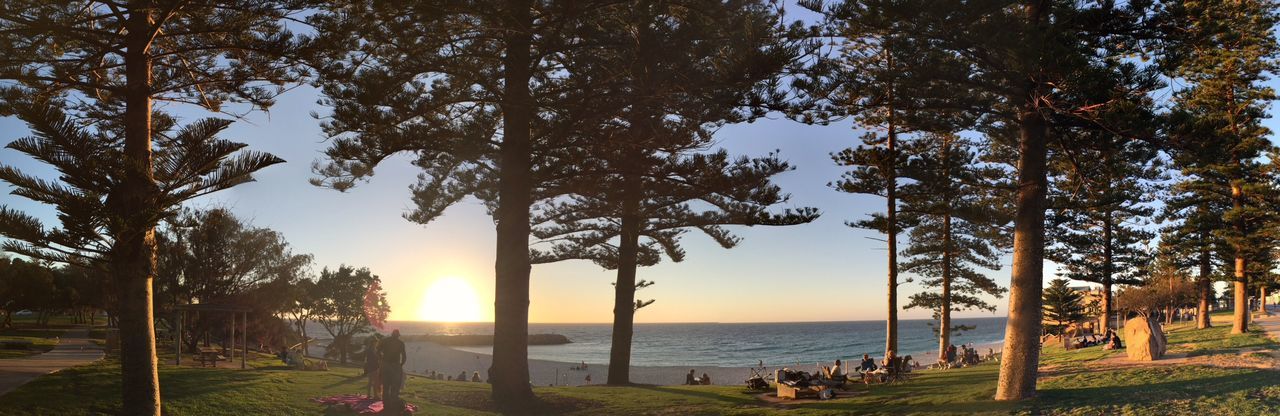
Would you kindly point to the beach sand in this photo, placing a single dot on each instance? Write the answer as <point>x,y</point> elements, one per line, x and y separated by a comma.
<point>425,357</point>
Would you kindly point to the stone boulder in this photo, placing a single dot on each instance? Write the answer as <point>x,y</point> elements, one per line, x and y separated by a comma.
<point>1144,339</point>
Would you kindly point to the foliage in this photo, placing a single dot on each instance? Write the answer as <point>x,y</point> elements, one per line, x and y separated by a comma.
<point>339,304</point>
<point>1063,306</point>
<point>956,221</point>
<point>212,257</point>
<point>1167,288</point>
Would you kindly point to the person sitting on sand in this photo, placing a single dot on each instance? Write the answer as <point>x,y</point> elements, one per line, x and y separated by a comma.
<point>475,377</point>
<point>588,378</point>
<point>688,379</point>
<point>462,376</point>
<point>706,379</point>
<point>868,364</point>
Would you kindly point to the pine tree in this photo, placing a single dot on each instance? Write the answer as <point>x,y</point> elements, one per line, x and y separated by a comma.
<point>648,181</point>
<point>191,162</point>
<point>956,221</point>
<point>1020,69</point>
<point>475,91</point>
<point>1101,198</point>
<point>1224,50</point>
<point>115,59</point>
<point>1064,307</point>
<point>1193,213</point>
<point>876,76</point>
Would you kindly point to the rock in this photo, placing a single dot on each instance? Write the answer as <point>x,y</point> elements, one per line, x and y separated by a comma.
<point>1144,339</point>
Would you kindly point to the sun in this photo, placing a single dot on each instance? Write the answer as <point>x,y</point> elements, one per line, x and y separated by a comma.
<point>450,299</point>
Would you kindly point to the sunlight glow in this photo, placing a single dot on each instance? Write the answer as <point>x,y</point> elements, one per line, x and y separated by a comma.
<point>450,299</point>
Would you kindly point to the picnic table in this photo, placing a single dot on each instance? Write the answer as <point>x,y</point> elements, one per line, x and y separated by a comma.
<point>209,356</point>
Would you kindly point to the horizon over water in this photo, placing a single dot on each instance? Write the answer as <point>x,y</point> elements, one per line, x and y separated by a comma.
<point>729,344</point>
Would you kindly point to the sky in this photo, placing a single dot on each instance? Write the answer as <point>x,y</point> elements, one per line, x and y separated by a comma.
<point>821,271</point>
<point>835,272</point>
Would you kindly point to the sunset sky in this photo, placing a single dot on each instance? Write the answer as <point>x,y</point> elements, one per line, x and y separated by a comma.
<point>836,272</point>
<point>821,271</point>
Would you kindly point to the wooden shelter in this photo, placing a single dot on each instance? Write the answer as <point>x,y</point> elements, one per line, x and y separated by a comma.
<point>235,311</point>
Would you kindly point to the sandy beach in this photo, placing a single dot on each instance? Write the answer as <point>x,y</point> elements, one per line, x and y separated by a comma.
<point>425,357</point>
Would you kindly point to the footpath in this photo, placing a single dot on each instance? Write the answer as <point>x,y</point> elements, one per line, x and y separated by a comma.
<point>73,349</point>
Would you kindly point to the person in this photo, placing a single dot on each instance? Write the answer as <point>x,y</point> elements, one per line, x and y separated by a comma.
<point>951,353</point>
<point>372,367</point>
<point>837,371</point>
<point>588,378</point>
<point>462,376</point>
<point>706,379</point>
<point>868,364</point>
<point>393,359</point>
<point>584,365</point>
<point>908,363</point>
<point>688,379</point>
<point>475,377</point>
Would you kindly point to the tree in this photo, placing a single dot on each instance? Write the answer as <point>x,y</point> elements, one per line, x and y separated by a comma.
<point>1064,307</point>
<point>1166,289</point>
<point>113,60</point>
<point>468,88</point>
<point>660,90</point>
<point>1020,68</point>
<point>956,229</point>
<point>1193,214</point>
<point>300,301</point>
<point>867,79</point>
<point>1101,200</point>
<point>211,257</point>
<point>341,306</point>
<point>1224,50</point>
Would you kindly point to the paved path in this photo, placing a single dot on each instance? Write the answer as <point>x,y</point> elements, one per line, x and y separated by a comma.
<point>74,349</point>
<point>1269,323</point>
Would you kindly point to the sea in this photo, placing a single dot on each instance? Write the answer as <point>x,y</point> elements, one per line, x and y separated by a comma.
<point>730,344</point>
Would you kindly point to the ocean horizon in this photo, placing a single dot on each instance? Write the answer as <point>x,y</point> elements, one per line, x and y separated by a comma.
<point>725,344</point>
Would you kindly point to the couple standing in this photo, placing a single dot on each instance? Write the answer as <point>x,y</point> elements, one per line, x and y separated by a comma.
<point>384,364</point>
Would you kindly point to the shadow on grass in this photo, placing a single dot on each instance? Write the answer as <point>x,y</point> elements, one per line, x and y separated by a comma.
<point>1154,393</point>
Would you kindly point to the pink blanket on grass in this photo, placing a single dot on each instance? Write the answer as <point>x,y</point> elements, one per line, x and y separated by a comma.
<point>359,403</point>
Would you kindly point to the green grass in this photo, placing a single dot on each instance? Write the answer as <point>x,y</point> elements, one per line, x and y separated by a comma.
<point>41,341</point>
<point>1072,383</point>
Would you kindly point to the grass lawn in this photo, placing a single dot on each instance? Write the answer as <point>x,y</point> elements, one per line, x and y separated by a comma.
<point>1079,382</point>
<point>41,340</point>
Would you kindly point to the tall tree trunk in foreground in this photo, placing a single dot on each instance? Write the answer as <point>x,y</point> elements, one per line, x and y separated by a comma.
<point>1106,271</point>
<point>944,319</point>
<point>624,311</point>
<point>1203,286</point>
<point>891,190</point>
<point>1021,353</point>
<point>133,254</point>
<point>509,373</point>
<point>1240,317</point>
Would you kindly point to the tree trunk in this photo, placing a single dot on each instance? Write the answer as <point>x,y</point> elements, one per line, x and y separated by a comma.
<point>1262,299</point>
<point>1204,285</point>
<point>1240,321</point>
<point>1021,353</point>
<point>891,190</point>
<point>944,317</point>
<point>133,254</point>
<point>1107,268</point>
<point>624,310</point>
<point>509,373</point>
